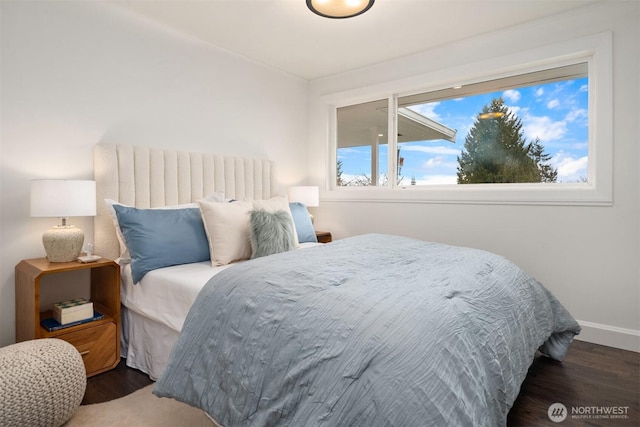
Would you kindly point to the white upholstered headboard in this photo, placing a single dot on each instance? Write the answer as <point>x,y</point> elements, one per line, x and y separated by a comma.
<point>147,177</point>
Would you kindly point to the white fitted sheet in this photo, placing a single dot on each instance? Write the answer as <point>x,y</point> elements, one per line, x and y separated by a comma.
<point>154,310</point>
<point>166,294</point>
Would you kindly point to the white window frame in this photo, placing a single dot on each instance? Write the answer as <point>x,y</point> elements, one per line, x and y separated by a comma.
<point>595,50</point>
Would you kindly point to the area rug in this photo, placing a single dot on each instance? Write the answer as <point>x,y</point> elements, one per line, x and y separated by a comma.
<point>140,408</point>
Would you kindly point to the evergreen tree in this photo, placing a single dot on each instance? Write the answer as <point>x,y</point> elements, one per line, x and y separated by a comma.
<point>339,180</point>
<point>495,151</point>
<point>547,172</point>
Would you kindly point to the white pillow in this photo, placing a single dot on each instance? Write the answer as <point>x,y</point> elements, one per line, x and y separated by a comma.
<point>227,228</point>
<point>125,257</point>
<point>274,204</point>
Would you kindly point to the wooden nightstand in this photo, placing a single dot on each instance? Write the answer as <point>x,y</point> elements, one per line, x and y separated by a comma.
<point>98,341</point>
<point>323,236</point>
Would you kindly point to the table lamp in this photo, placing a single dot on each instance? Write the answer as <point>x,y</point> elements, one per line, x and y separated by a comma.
<point>63,199</point>
<point>308,195</point>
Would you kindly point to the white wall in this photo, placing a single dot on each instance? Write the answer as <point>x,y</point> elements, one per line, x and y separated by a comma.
<point>74,74</point>
<point>587,256</point>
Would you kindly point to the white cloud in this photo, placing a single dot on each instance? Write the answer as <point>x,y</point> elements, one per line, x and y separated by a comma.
<point>511,95</point>
<point>440,162</point>
<point>437,180</point>
<point>544,128</point>
<point>518,111</point>
<point>548,129</point>
<point>437,149</point>
<point>346,177</point>
<point>579,113</point>
<point>434,162</point>
<point>580,146</point>
<point>553,104</point>
<point>539,92</point>
<point>427,110</point>
<point>570,169</point>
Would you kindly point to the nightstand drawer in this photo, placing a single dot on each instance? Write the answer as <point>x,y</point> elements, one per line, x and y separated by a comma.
<point>97,345</point>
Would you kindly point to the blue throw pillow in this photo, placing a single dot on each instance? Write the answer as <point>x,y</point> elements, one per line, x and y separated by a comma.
<point>159,238</point>
<point>302,221</point>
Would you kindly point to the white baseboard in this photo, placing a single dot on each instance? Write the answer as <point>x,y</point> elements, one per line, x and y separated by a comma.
<point>611,336</point>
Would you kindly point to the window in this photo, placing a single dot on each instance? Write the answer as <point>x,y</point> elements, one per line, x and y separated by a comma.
<point>558,96</point>
<point>362,144</point>
<point>527,128</point>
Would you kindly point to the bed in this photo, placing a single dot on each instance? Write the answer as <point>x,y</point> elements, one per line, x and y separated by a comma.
<point>147,177</point>
<point>370,330</point>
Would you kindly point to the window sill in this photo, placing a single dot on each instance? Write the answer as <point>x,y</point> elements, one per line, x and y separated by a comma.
<point>483,194</point>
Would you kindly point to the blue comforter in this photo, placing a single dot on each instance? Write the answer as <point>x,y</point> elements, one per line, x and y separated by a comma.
<point>373,330</point>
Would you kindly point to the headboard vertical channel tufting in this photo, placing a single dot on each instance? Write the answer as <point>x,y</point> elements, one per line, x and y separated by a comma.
<point>146,177</point>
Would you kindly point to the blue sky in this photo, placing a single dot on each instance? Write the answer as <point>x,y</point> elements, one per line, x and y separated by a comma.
<point>557,113</point>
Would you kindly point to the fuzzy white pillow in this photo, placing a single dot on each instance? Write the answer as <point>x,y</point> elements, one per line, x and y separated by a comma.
<point>227,228</point>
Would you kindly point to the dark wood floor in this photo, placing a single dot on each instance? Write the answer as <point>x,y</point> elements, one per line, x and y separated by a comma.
<point>591,378</point>
<point>113,384</point>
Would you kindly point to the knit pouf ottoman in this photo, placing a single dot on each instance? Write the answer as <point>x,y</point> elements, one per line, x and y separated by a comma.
<point>42,383</point>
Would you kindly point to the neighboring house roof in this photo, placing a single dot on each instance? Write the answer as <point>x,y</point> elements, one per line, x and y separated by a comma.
<point>361,124</point>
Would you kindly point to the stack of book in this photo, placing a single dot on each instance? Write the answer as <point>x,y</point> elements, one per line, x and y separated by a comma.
<point>70,313</point>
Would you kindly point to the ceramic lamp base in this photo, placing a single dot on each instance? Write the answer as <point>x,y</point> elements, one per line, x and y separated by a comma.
<point>63,243</point>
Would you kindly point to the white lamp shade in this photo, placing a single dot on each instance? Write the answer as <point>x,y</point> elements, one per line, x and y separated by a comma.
<point>63,198</point>
<point>306,194</point>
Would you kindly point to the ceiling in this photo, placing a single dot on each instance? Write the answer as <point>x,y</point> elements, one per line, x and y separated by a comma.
<point>285,35</point>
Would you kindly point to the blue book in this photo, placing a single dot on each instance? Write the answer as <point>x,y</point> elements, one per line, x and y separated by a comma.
<point>51,324</point>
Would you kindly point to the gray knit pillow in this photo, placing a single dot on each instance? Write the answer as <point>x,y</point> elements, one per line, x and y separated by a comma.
<point>270,232</point>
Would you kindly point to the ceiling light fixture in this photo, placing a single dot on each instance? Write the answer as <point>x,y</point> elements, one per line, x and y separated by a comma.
<point>339,9</point>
